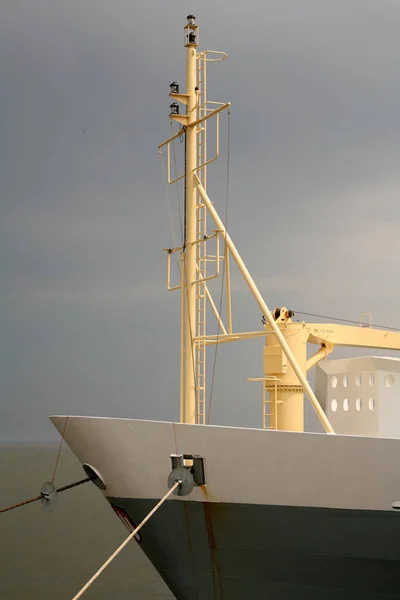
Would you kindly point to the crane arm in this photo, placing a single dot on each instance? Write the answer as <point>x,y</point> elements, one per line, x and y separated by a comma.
<point>344,335</point>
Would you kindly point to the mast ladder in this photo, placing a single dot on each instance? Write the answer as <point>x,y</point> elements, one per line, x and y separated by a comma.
<point>270,404</point>
<point>201,391</point>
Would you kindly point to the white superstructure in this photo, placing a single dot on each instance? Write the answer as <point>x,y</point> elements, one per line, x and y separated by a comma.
<point>361,396</point>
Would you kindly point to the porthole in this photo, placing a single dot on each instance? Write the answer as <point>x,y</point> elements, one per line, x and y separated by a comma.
<point>371,404</point>
<point>334,405</point>
<point>345,380</point>
<point>346,404</point>
<point>389,380</point>
<point>358,404</point>
<point>358,380</point>
<point>371,378</point>
<point>333,381</point>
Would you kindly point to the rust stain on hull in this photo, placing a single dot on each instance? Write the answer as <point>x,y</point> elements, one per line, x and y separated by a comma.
<point>203,489</point>
<point>215,566</point>
<point>207,493</point>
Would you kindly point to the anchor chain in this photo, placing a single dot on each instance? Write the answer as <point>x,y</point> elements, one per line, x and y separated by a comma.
<point>42,496</point>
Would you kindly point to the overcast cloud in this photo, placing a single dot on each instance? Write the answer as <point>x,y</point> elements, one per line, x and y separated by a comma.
<point>87,326</point>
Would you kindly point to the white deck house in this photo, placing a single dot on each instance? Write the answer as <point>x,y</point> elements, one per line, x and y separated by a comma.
<point>361,396</point>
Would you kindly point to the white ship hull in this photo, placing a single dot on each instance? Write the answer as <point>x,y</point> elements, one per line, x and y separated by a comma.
<point>283,515</point>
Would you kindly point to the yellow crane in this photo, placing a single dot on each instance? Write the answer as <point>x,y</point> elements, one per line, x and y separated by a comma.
<point>286,393</point>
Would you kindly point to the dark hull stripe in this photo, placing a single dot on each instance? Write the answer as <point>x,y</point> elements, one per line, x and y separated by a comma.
<point>216,551</point>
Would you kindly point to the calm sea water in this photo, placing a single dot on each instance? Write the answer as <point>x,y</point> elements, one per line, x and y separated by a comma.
<point>52,555</point>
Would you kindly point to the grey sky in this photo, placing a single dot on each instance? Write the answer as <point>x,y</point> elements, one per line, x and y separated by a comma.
<point>87,326</point>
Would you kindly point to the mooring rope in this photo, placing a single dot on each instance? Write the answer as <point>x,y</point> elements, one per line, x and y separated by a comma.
<point>125,542</point>
<point>61,489</point>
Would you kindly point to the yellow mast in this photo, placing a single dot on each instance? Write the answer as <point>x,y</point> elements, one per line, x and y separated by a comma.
<point>189,250</point>
<point>190,259</point>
